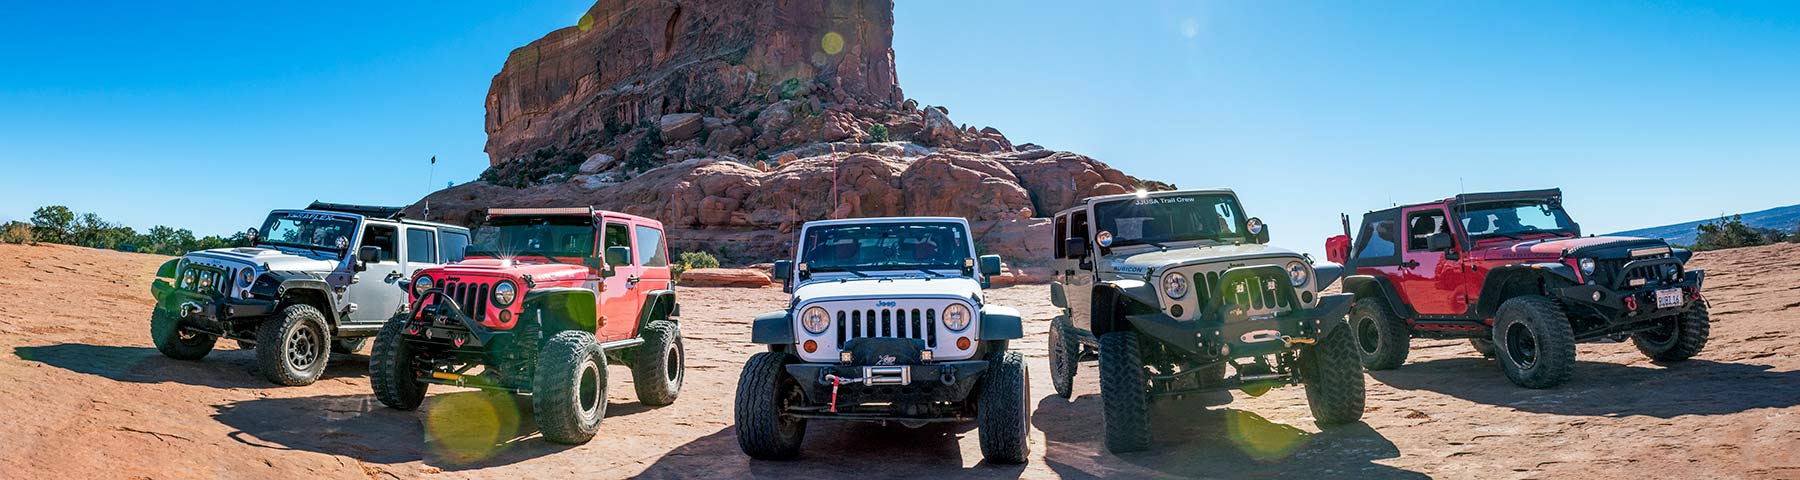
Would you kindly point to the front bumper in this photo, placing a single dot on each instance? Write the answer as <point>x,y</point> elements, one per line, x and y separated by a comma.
<point>1622,304</point>
<point>208,313</point>
<point>1216,336</point>
<point>887,370</point>
<point>443,322</point>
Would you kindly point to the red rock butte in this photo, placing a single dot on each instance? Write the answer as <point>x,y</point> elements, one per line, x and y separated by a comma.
<point>734,121</point>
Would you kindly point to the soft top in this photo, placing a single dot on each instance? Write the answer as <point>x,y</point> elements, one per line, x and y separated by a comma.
<point>364,210</point>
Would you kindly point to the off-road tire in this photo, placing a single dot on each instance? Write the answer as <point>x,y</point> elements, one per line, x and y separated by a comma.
<point>165,332</point>
<point>1065,358</point>
<point>568,391</point>
<point>659,365</point>
<point>1003,409</point>
<point>761,431</point>
<point>1484,346</point>
<point>1124,393</point>
<point>349,345</point>
<point>1546,357</point>
<point>1683,339</point>
<point>1334,380</point>
<point>391,368</point>
<point>1381,338</point>
<point>293,346</point>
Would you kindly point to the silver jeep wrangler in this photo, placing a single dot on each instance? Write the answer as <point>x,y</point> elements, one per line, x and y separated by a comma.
<point>312,282</point>
<point>1173,289</point>
<point>886,324</point>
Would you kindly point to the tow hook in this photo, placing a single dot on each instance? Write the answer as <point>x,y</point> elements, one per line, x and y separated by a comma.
<point>835,382</point>
<point>948,376</point>
<point>189,309</point>
<point>1287,341</point>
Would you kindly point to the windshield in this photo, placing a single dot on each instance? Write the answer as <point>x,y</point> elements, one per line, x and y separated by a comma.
<point>1514,219</point>
<point>885,246</point>
<point>308,230</point>
<point>554,236</point>
<point>1170,218</point>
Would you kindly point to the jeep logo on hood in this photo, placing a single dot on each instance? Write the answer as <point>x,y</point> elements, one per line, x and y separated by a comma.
<point>887,303</point>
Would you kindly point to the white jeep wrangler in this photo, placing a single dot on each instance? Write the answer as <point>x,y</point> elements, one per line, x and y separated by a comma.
<point>886,324</point>
<point>312,282</point>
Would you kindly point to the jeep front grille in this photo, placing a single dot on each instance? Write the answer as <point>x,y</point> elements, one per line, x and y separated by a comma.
<point>914,323</point>
<point>471,297</point>
<point>217,281</point>
<point>1613,272</point>
<point>1258,294</point>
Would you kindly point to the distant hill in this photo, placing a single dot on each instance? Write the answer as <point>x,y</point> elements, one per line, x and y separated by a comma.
<point>1779,218</point>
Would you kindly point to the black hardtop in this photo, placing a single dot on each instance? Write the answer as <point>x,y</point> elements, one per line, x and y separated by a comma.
<point>1483,197</point>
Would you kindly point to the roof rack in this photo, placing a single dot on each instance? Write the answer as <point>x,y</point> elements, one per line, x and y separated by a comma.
<point>1552,193</point>
<point>496,212</point>
<point>364,210</point>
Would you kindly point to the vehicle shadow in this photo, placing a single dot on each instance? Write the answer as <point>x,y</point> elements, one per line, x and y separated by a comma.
<point>837,450</point>
<point>225,367</point>
<point>451,431</point>
<point>1693,387</point>
<point>1193,441</point>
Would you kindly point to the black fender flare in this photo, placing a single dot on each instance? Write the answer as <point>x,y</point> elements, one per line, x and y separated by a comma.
<point>1114,300</point>
<point>167,270</point>
<point>658,305</point>
<point>1001,323</point>
<point>561,309</point>
<point>1504,282</point>
<point>1372,285</point>
<point>279,285</point>
<point>773,328</point>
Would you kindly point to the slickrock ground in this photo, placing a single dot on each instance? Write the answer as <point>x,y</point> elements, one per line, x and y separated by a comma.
<point>89,397</point>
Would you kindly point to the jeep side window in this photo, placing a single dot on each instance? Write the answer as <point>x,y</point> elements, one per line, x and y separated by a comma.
<point>650,247</point>
<point>617,235</point>
<point>1061,232</point>
<point>1378,242</point>
<point>382,236</point>
<point>421,246</point>
<point>451,245</point>
<point>1421,225</point>
<point>1078,227</point>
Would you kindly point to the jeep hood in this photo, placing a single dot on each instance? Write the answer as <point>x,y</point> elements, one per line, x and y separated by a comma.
<point>295,260</point>
<point>539,269</point>
<point>1145,260</point>
<point>1553,248</point>
<point>887,287</point>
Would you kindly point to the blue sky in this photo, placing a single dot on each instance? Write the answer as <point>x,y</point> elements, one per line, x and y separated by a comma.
<point>205,115</point>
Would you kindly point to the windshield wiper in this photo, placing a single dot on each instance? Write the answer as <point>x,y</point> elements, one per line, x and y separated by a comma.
<point>929,272</point>
<point>842,269</point>
<point>540,253</point>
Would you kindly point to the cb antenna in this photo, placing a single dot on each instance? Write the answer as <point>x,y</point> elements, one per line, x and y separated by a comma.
<point>430,176</point>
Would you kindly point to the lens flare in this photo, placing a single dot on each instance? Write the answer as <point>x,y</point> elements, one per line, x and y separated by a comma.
<point>586,23</point>
<point>1261,439</point>
<point>467,427</point>
<point>832,43</point>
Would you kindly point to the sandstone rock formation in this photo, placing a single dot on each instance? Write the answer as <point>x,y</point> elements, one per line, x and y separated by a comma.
<point>734,122</point>
<point>725,277</point>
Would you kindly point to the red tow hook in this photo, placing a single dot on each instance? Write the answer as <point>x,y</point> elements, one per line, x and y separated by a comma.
<point>1631,303</point>
<point>835,381</point>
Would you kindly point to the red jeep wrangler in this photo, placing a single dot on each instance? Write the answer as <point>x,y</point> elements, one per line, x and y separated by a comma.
<point>1514,275</point>
<point>542,300</point>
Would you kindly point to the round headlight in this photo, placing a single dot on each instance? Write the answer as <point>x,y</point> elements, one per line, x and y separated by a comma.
<point>505,293</point>
<point>956,317</point>
<point>1587,266</point>
<point>247,276</point>
<point>1299,273</point>
<point>421,285</point>
<point>1175,285</point>
<point>814,320</point>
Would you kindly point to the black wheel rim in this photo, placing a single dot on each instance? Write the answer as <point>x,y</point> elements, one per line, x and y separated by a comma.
<point>788,425</point>
<point>1521,345</point>
<point>673,364</point>
<point>303,347</point>
<point>1368,339</point>
<point>587,389</point>
<point>1659,336</point>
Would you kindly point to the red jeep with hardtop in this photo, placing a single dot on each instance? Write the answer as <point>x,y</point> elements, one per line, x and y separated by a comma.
<point>542,300</point>
<point>1512,273</point>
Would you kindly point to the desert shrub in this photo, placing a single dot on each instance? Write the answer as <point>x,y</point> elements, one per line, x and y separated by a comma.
<point>878,133</point>
<point>1729,232</point>
<point>16,232</point>
<point>692,260</point>
<point>790,89</point>
<point>643,156</point>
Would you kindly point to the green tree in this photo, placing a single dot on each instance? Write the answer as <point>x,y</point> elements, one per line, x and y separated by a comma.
<point>878,133</point>
<point>52,224</point>
<point>643,156</point>
<point>1728,232</point>
<point>692,260</point>
<point>16,232</point>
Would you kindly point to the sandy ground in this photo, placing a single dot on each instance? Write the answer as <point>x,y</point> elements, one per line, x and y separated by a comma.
<point>90,397</point>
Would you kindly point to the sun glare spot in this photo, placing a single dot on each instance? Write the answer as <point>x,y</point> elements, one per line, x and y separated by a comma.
<point>832,43</point>
<point>467,427</point>
<point>586,23</point>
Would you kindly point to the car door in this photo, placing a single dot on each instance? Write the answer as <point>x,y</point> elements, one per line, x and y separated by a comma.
<point>1078,273</point>
<point>1428,279</point>
<point>622,294</point>
<point>375,291</point>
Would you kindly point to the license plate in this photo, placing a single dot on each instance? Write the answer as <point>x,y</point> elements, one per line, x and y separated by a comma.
<point>1668,297</point>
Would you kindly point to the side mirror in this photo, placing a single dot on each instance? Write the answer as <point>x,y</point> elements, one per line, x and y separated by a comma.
<point>369,254</point>
<point>1076,247</point>
<point>1337,249</point>
<point>1440,241</point>
<point>784,270</point>
<point>990,265</point>
<point>251,235</point>
<point>598,265</point>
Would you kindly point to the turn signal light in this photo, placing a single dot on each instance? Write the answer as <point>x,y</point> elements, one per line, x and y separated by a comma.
<point>810,346</point>
<point>962,343</point>
<point>505,316</point>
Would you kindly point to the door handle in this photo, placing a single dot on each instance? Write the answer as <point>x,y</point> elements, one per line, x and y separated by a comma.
<point>632,281</point>
<point>1409,264</point>
<point>395,275</point>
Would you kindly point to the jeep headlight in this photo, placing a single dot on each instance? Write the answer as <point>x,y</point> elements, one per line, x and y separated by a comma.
<point>248,275</point>
<point>504,293</point>
<point>1175,285</point>
<point>956,317</point>
<point>814,320</point>
<point>421,285</point>
<point>1298,273</point>
<point>1587,266</point>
